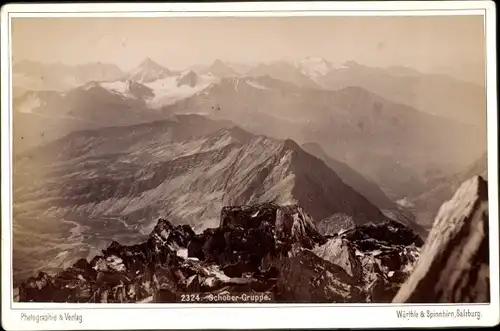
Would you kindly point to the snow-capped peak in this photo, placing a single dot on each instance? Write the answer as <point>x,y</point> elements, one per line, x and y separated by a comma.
<point>315,67</point>
<point>148,63</point>
<point>219,69</point>
<point>148,71</point>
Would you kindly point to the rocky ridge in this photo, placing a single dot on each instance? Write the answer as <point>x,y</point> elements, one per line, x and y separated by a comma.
<point>454,263</point>
<point>259,248</point>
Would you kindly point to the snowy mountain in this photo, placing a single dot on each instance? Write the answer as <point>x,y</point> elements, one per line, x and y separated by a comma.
<point>221,70</point>
<point>168,90</point>
<point>436,94</point>
<point>42,116</point>
<point>102,103</point>
<point>315,68</point>
<point>148,71</point>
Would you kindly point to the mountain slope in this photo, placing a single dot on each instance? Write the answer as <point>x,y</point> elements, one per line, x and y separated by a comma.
<point>432,93</point>
<point>220,69</point>
<point>148,71</point>
<point>354,179</point>
<point>42,116</point>
<point>366,188</point>
<point>389,143</point>
<point>427,204</point>
<point>114,181</point>
<point>231,164</point>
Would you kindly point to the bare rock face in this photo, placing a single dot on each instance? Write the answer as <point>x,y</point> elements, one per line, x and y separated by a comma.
<point>248,235</point>
<point>339,251</point>
<point>454,263</point>
<point>378,257</point>
<point>306,277</point>
<point>289,224</point>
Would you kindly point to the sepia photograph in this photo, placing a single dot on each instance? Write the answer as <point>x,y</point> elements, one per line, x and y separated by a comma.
<point>239,159</point>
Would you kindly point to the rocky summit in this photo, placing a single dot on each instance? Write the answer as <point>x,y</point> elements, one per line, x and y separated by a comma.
<point>259,248</point>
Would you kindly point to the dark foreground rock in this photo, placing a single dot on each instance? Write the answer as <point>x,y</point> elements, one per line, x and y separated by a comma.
<point>261,248</point>
<point>306,277</point>
<point>454,264</point>
<point>377,257</point>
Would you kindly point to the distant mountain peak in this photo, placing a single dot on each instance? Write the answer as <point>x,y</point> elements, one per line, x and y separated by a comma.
<point>148,62</point>
<point>315,67</point>
<point>148,71</point>
<point>220,69</point>
<point>218,62</point>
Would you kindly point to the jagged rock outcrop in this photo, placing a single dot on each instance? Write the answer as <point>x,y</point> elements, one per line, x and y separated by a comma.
<point>306,278</point>
<point>340,252</point>
<point>290,224</point>
<point>454,263</point>
<point>120,274</point>
<point>259,248</point>
<point>378,257</point>
<point>250,236</point>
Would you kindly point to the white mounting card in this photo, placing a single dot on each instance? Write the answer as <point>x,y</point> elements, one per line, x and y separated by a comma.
<point>249,165</point>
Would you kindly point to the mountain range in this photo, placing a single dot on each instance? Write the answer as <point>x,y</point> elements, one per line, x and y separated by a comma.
<point>100,154</point>
<point>186,168</point>
<point>437,94</point>
<point>387,142</point>
<point>400,148</point>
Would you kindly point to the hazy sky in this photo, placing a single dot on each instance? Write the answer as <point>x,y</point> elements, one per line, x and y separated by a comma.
<point>428,43</point>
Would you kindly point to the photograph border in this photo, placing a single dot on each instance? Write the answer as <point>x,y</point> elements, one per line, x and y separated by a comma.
<point>261,315</point>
